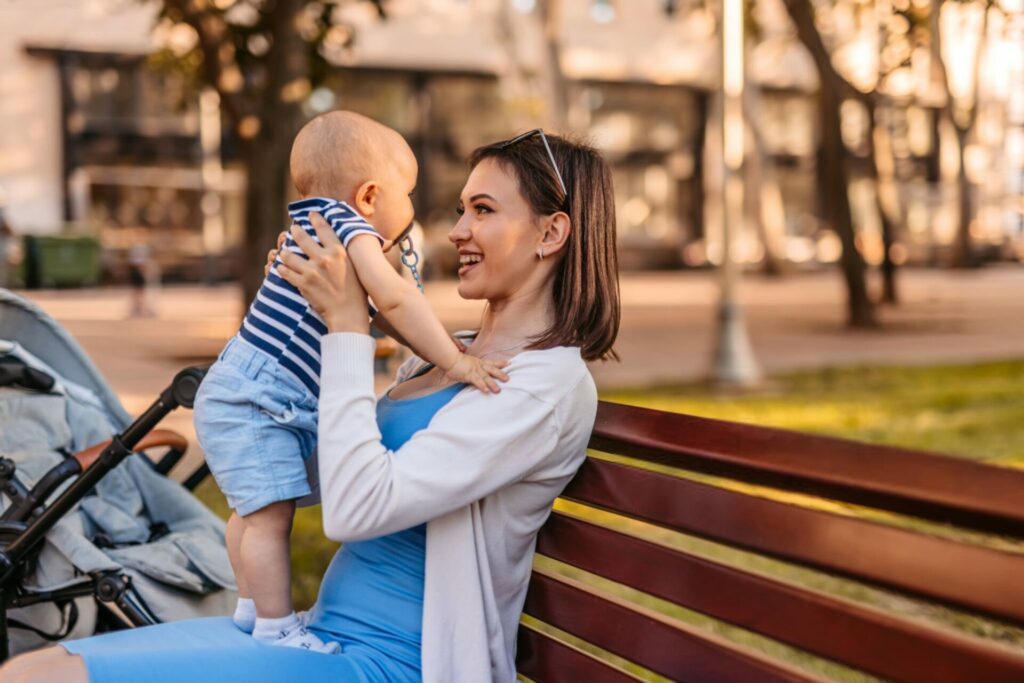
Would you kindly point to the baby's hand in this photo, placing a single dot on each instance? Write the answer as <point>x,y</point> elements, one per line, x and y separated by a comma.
<point>480,373</point>
<point>272,254</point>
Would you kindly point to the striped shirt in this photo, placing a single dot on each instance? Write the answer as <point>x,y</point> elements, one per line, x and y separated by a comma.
<point>280,322</point>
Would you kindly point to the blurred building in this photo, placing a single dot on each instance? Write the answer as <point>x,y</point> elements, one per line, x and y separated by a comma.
<point>93,138</point>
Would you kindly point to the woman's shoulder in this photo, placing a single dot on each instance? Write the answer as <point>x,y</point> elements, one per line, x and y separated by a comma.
<point>549,374</point>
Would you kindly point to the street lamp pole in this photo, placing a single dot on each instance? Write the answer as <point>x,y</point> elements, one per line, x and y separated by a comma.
<point>734,364</point>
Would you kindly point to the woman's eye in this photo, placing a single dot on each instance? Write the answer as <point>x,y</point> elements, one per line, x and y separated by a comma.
<point>482,208</point>
<point>459,210</point>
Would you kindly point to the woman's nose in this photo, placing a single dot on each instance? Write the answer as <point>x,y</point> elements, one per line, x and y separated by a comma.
<point>459,231</point>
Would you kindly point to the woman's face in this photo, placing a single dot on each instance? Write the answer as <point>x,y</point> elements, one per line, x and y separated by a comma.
<point>496,235</point>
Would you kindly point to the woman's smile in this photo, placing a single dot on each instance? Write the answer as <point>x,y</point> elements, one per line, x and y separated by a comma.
<point>468,261</point>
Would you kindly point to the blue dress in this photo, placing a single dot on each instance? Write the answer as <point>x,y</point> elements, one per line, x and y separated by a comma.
<point>371,602</point>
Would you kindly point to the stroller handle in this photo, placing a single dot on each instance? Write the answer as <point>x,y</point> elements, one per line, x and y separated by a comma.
<point>181,392</point>
<point>156,438</point>
<point>185,385</point>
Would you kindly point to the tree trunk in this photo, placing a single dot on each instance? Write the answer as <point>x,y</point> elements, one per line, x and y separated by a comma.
<point>555,83</point>
<point>266,159</point>
<point>702,104</point>
<point>890,294</point>
<point>833,176</point>
<point>834,179</point>
<point>878,143</point>
<point>267,154</point>
<point>761,182</point>
<point>963,121</point>
<point>963,248</point>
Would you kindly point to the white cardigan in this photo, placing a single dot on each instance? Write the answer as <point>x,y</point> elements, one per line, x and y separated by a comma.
<point>483,475</point>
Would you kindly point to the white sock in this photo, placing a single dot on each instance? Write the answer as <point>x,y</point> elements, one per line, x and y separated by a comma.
<point>272,629</point>
<point>245,614</point>
<point>289,631</point>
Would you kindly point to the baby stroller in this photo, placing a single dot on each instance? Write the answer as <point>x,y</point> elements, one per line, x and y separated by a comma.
<point>90,539</point>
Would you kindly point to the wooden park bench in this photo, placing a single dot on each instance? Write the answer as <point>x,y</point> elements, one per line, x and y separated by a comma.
<point>926,535</point>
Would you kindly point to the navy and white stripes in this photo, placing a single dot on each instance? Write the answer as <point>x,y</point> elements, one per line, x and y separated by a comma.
<point>280,322</point>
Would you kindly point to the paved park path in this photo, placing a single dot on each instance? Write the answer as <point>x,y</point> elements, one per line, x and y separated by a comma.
<point>667,326</point>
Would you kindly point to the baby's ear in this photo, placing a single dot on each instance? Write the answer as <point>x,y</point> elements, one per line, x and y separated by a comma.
<point>366,198</point>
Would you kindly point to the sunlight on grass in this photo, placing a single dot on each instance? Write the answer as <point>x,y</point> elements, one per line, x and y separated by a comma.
<point>973,411</point>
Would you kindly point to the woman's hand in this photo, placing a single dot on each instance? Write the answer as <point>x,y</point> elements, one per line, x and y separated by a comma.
<point>327,280</point>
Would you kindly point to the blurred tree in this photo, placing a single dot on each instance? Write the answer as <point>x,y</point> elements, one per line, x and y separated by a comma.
<point>534,95</point>
<point>898,30</point>
<point>556,86</point>
<point>887,202</point>
<point>264,58</point>
<point>834,176</point>
<point>762,193</point>
<point>962,112</point>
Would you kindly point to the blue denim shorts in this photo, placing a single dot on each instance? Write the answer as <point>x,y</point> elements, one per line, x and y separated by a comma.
<point>257,426</point>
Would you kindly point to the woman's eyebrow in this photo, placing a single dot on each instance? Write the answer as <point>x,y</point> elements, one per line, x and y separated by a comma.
<point>482,196</point>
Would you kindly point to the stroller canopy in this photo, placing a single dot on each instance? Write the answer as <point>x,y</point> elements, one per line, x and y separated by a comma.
<point>24,323</point>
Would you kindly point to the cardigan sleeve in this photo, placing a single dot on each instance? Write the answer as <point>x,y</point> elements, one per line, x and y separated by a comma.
<point>476,445</point>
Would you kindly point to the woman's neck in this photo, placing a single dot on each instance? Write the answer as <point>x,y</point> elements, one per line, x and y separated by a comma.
<point>513,322</point>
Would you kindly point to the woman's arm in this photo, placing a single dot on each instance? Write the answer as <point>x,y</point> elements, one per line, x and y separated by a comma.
<point>395,298</point>
<point>474,446</point>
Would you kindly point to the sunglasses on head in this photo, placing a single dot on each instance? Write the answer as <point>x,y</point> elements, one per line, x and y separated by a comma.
<point>547,148</point>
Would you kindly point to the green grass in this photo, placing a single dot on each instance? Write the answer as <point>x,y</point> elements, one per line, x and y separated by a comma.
<point>974,411</point>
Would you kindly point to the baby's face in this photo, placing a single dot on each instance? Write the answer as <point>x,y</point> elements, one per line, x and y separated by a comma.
<point>394,211</point>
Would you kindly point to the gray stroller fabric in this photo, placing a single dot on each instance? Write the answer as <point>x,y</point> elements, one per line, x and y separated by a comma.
<point>182,572</point>
<point>24,323</point>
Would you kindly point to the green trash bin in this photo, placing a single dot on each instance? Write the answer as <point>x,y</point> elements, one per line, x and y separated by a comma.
<point>61,261</point>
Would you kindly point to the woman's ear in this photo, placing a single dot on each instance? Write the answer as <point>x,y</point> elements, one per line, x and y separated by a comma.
<point>366,198</point>
<point>556,233</point>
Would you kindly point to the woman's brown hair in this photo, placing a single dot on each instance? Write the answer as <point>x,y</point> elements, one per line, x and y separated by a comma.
<point>586,287</point>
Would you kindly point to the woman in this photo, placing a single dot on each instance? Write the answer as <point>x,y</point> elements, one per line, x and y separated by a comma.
<point>436,491</point>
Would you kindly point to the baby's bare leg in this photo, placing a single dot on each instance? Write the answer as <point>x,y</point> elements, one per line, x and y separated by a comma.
<point>266,563</point>
<point>233,540</point>
<point>266,558</point>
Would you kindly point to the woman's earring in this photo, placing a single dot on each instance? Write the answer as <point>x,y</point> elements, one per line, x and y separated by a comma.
<point>540,253</point>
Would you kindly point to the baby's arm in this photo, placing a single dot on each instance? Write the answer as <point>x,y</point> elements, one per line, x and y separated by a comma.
<point>409,312</point>
<point>382,324</point>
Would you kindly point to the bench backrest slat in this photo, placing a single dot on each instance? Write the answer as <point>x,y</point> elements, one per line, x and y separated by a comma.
<point>969,576</point>
<point>869,639</point>
<point>676,653</point>
<point>927,485</point>
<point>771,603</point>
<point>545,660</point>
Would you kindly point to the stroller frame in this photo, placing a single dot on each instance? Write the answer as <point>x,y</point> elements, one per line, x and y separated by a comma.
<point>28,518</point>
<point>26,521</point>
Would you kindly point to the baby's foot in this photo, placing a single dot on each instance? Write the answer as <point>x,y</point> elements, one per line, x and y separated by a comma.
<point>245,615</point>
<point>307,640</point>
<point>291,631</point>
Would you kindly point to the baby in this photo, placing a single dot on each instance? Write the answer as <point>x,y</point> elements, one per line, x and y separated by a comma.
<point>256,410</point>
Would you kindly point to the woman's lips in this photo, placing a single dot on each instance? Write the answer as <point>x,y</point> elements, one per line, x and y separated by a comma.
<point>469,262</point>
